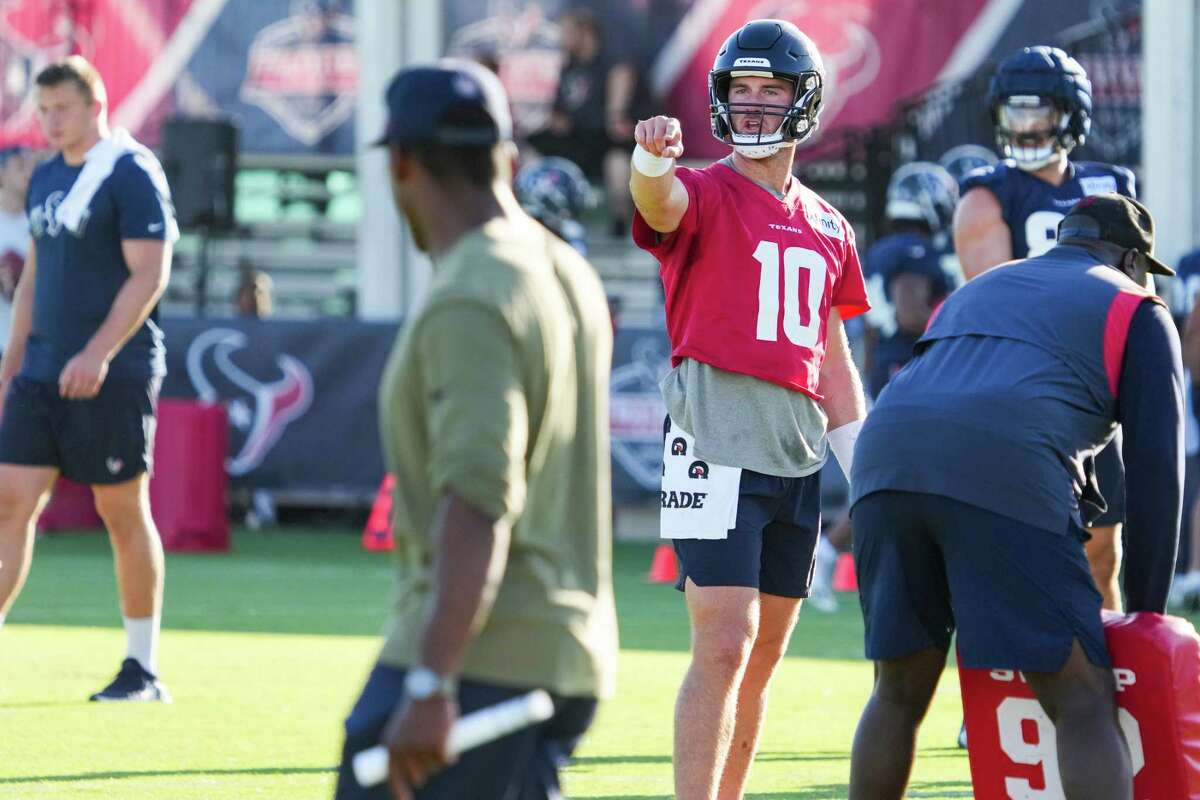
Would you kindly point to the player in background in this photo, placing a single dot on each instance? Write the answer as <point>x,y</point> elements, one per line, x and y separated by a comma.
<point>555,192</point>
<point>80,377</point>
<point>964,158</point>
<point>16,165</point>
<point>970,488</point>
<point>759,274</point>
<point>1186,589</point>
<point>908,271</point>
<point>1041,105</point>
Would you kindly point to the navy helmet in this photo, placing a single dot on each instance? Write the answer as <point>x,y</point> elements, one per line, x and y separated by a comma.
<point>964,158</point>
<point>555,192</point>
<point>767,48</point>
<point>922,192</point>
<point>1041,105</point>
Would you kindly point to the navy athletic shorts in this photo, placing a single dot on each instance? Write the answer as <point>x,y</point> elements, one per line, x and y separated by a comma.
<point>107,439</point>
<point>522,766</point>
<point>773,546</point>
<point>1017,595</point>
<point>1110,476</point>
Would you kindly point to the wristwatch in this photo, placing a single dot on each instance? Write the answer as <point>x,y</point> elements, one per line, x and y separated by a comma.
<point>422,683</point>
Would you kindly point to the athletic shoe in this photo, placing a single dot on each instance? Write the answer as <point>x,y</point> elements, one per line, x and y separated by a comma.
<point>133,683</point>
<point>962,736</point>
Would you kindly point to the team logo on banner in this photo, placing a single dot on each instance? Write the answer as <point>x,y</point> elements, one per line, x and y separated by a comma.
<point>303,71</point>
<point>259,410</point>
<point>636,411</point>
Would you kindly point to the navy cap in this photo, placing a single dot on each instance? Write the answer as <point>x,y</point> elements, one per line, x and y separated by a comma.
<point>452,102</point>
<point>1116,219</point>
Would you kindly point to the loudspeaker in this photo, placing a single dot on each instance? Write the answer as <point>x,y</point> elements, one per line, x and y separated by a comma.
<point>199,157</point>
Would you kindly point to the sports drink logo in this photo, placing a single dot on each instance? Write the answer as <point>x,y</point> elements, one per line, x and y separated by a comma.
<point>303,72</point>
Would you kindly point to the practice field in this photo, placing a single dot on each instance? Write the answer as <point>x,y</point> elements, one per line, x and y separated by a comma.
<point>265,648</point>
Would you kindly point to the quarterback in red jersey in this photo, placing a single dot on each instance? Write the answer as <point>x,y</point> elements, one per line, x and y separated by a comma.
<point>759,274</point>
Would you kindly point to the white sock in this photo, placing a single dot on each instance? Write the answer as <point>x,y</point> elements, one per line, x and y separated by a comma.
<point>142,634</point>
<point>827,557</point>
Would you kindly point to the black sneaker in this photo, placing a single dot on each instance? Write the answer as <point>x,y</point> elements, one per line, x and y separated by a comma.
<point>133,683</point>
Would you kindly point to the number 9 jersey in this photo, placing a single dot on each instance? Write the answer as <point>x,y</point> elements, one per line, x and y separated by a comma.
<point>1032,208</point>
<point>750,277</point>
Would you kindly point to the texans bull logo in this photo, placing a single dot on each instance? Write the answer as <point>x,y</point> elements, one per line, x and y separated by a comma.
<point>261,409</point>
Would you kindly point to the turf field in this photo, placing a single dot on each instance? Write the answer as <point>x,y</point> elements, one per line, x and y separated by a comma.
<point>265,648</point>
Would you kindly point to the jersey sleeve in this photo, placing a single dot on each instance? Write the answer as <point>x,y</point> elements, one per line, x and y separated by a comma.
<point>981,177</point>
<point>476,411</point>
<point>662,245</point>
<point>850,291</point>
<point>143,199</point>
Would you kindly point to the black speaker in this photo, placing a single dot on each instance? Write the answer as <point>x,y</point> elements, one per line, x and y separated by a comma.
<point>199,156</point>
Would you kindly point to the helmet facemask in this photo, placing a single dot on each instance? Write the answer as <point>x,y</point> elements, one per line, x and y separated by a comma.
<point>1032,131</point>
<point>771,127</point>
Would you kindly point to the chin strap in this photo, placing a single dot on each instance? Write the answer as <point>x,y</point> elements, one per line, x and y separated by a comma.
<point>758,151</point>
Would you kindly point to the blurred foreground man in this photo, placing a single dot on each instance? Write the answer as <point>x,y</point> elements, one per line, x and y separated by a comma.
<point>494,418</point>
<point>973,480</point>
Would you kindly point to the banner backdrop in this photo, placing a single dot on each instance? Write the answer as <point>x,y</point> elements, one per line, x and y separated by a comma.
<point>300,397</point>
<point>301,400</point>
<point>286,70</point>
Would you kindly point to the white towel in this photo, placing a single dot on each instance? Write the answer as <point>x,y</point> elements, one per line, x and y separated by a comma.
<point>699,498</point>
<point>98,165</point>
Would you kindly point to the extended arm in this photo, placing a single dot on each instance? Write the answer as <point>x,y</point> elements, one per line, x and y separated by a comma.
<point>661,198</point>
<point>22,321</point>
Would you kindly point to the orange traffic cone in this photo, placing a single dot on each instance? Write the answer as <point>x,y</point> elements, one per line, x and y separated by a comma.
<point>844,579</point>
<point>664,569</point>
<point>377,534</point>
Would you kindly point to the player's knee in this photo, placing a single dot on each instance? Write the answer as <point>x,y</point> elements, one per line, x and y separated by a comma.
<point>769,648</point>
<point>120,509</point>
<point>724,649</point>
<point>18,504</point>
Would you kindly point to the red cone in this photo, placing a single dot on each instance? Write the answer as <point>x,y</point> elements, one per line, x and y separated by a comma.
<point>844,579</point>
<point>664,569</point>
<point>377,534</point>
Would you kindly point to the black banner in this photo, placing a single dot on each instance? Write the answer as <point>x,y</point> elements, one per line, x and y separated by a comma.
<point>303,415</point>
<point>301,398</point>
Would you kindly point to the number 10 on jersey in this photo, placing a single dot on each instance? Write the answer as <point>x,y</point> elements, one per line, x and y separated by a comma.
<point>804,273</point>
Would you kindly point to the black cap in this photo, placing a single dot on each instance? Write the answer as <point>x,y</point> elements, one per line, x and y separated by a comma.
<point>1115,219</point>
<point>452,102</point>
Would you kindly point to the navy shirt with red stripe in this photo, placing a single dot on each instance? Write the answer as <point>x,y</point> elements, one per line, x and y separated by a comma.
<point>1021,378</point>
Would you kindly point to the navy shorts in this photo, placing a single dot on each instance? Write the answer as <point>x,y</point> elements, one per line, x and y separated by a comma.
<point>521,766</point>
<point>107,439</point>
<point>773,546</point>
<point>1018,595</point>
<point>1110,476</point>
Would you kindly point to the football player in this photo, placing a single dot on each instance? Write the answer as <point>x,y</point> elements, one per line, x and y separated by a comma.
<point>759,274</point>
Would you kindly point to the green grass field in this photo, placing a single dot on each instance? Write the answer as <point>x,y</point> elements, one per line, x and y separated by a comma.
<point>265,648</point>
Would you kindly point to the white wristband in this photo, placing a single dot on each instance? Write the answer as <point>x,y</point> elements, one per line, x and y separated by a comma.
<point>841,442</point>
<point>650,165</point>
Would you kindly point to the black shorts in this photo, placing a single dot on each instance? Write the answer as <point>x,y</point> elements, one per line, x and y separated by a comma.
<point>1110,476</point>
<point>1017,595</point>
<point>773,546</point>
<point>107,439</point>
<point>523,765</point>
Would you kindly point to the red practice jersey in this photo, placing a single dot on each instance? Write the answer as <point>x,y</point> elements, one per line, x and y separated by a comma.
<point>750,278</point>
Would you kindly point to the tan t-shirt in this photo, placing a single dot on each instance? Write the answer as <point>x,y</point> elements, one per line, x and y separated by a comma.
<point>497,391</point>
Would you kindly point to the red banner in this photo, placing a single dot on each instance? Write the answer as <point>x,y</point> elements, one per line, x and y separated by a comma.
<point>876,52</point>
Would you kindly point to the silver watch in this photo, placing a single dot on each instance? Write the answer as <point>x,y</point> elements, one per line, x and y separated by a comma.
<point>422,683</point>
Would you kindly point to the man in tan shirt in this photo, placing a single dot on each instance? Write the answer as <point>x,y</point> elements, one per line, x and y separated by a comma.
<point>494,419</point>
